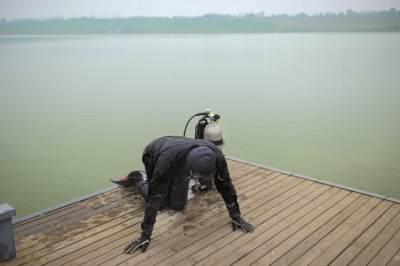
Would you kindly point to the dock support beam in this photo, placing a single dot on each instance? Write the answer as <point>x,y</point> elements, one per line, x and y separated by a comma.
<point>7,244</point>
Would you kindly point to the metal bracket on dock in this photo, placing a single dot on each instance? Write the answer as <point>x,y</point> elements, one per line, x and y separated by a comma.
<point>7,244</point>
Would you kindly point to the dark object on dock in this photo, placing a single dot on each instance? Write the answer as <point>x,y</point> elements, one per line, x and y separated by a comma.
<point>7,244</point>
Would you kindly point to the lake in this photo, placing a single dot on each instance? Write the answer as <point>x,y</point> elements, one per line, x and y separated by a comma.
<point>77,111</point>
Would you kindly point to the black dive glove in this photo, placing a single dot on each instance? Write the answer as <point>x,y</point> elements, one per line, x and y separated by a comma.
<point>141,242</point>
<point>239,222</point>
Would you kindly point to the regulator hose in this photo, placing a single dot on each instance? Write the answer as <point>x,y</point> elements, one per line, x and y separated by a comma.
<point>203,113</point>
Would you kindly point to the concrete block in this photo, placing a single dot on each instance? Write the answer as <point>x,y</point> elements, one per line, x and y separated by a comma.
<point>7,244</point>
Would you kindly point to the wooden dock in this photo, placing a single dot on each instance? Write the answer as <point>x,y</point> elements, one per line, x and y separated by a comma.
<point>298,220</point>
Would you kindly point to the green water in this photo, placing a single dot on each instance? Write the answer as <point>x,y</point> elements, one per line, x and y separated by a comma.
<point>76,111</point>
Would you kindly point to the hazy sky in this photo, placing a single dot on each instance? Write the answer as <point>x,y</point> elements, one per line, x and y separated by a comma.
<point>42,9</point>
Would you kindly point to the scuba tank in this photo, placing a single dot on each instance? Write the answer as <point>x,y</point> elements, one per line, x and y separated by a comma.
<point>207,128</point>
<point>213,131</point>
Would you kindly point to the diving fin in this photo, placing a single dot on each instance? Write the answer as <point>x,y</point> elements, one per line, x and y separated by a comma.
<point>130,179</point>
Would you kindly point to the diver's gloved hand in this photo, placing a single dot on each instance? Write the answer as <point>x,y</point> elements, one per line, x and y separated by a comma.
<point>141,242</point>
<point>239,222</point>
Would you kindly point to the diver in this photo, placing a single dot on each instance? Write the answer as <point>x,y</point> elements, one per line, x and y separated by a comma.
<point>170,162</point>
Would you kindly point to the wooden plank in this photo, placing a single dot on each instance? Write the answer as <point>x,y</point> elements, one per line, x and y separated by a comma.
<point>62,255</point>
<point>98,253</point>
<point>295,220</point>
<point>373,248</point>
<point>253,177</point>
<point>53,213</point>
<point>207,233</point>
<point>305,257</point>
<point>186,261</point>
<point>182,237</point>
<point>54,229</point>
<point>52,236</point>
<point>251,206</point>
<point>262,171</point>
<point>97,199</point>
<point>244,206</point>
<point>344,242</point>
<point>174,244</point>
<point>215,197</point>
<point>313,220</point>
<point>395,261</point>
<point>108,252</point>
<point>202,246</point>
<point>244,170</point>
<point>282,218</point>
<point>101,229</point>
<point>88,244</point>
<point>17,227</point>
<point>152,260</point>
<point>117,257</point>
<point>95,202</point>
<point>36,242</point>
<point>166,236</point>
<point>275,178</point>
<point>388,251</point>
<point>292,187</point>
<point>52,245</point>
<point>362,234</point>
<point>303,240</point>
<point>249,179</point>
<point>155,232</point>
<point>301,221</point>
<point>130,238</point>
<point>53,223</point>
<point>232,163</point>
<point>281,199</point>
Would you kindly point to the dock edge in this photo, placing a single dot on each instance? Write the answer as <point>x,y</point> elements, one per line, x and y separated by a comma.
<point>228,157</point>
<point>316,180</point>
<point>63,204</point>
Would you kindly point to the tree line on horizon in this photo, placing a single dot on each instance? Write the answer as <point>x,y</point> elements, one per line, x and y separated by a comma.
<point>348,13</point>
<point>351,21</point>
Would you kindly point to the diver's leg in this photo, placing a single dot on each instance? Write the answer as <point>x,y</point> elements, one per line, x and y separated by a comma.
<point>143,188</point>
<point>136,178</point>
<point>178,193</point>
<point>147,159</point>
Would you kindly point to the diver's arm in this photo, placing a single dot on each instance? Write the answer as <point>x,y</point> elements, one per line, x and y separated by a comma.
<point>225,187</point>
<point>158,189</point>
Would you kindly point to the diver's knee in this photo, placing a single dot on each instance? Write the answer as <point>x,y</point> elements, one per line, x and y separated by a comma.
<point>178,206</point>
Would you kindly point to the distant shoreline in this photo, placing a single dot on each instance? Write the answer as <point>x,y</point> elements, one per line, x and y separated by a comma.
<point>202,25</point>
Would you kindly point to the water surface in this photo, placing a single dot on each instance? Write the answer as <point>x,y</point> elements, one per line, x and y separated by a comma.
<point>76,111</point>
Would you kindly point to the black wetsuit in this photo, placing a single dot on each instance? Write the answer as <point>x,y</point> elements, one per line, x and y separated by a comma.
<point>165,163</point>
